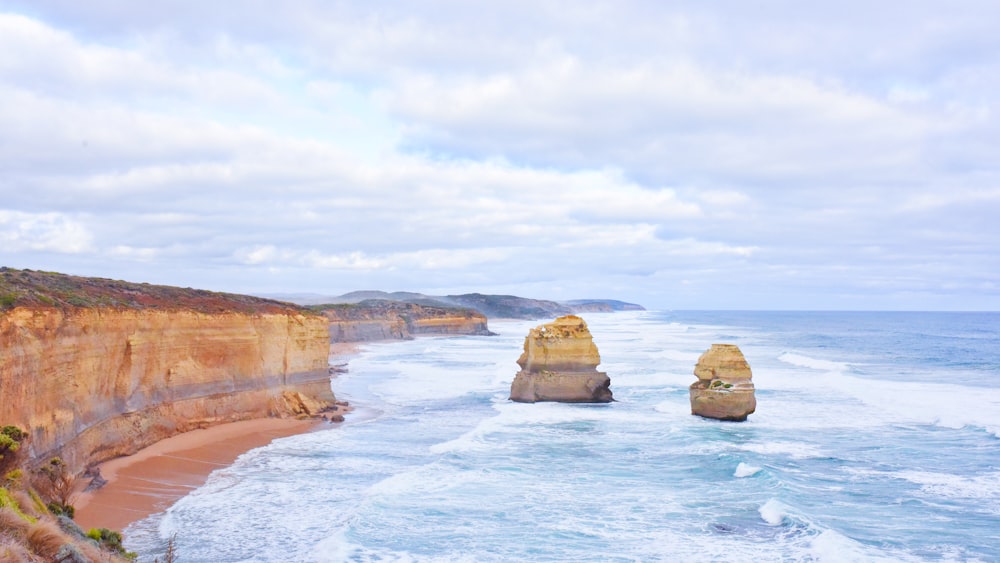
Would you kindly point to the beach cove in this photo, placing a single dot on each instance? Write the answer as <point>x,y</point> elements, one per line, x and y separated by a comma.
<point>875,439</point>
<point>150,480</point>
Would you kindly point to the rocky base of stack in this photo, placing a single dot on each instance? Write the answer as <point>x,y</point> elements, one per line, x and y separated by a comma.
<point>734,403</point>
<point>593,387</point>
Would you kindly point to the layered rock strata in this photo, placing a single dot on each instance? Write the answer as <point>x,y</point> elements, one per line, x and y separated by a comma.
<point>393,320</point>
<point>724,389</point>
<point>559,363</point>
<point>90,384</point>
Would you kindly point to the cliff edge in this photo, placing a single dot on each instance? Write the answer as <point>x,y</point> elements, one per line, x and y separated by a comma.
<point>94,369</point>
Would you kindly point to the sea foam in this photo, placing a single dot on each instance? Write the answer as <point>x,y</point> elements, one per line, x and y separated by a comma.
<point>745,470</point>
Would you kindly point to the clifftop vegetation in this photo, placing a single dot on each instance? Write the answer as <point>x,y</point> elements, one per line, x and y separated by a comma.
<point>383,308</point>
<point>29,288</point>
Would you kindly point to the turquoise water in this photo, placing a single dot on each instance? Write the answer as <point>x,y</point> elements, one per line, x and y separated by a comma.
<point>876,438</point>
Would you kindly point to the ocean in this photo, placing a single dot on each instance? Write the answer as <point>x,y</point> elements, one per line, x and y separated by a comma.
<point>876,438</point>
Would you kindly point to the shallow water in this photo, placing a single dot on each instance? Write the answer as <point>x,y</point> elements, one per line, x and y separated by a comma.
<point>877,437</point>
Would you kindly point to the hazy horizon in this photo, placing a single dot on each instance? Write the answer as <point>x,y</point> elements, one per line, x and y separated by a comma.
<point>684,157</point>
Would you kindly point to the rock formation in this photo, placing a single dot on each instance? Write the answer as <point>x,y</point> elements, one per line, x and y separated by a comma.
<point>377,319</point>
<point>90,382</point>
<point>559,363</point>
<point>724,390</point>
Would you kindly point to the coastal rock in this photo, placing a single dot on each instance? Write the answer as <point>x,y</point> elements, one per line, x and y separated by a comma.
<point>724,389</point>
<point>374,319</point>
<point>559,364</point>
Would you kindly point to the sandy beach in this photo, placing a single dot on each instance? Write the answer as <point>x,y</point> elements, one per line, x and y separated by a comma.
<point>152,479</point>
<point>155,477</point>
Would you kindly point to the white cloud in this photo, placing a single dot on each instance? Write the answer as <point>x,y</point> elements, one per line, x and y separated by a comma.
<point>43,232</point>
<point>625,146</point>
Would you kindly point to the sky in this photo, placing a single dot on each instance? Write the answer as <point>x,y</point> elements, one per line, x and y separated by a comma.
<point>681,155</point>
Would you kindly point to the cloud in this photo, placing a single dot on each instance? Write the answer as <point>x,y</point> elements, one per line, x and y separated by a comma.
<point>790,155</point>
<point>43,232</point>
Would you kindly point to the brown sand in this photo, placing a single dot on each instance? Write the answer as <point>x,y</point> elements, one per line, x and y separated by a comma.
<point>152,479</point>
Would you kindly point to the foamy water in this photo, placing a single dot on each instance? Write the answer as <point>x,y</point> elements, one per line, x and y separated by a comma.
<point>875,440</point>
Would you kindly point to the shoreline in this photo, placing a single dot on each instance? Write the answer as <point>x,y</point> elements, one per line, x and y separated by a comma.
<point>154,478</point>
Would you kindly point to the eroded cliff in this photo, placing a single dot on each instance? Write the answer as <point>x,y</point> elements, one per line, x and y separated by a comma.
<point>92,381</point>
<point>377,319</point>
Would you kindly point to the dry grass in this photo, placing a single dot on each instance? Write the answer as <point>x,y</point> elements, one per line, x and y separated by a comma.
<point>25,503</point>
<point>12,524</point>
<point>45,538</point>
<point>13,552</point>
<point>94,553</point>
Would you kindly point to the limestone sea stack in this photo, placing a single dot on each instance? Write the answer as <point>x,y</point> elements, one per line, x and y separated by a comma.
<point>559,364</point>
<point>724,389</point>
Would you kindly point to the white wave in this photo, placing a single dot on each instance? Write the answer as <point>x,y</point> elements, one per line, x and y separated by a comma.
<point>686,356</point>
<point>422,480</point>
<point>984,487</point>
<point>420,382</point>
<point>512,415</point>
<point>942,404</point>
<point>745,470</point>
<point>838,548</point>
<point>949,405</point>
<point>813,363</point>
<point>774,512</point>
<point>337,549</point>
<point>795,450</point>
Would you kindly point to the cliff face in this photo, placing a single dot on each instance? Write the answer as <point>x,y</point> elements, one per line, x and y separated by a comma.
<point>559,363</point>
<point>90,384</point>
<point>393,320</point>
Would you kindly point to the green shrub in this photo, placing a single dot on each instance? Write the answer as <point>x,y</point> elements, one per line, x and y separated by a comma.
<point>60,509</point>
<point>13,476</point>
<point>10,441</point>
<point>110,540</point>
<point>7,501</point>
<point>14,433</point>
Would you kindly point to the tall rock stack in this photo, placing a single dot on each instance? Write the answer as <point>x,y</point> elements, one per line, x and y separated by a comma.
<point>724,389</point>
<point>559,364</point>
